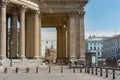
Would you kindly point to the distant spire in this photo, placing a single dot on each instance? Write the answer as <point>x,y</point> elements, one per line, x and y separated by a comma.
<point>46,44</point>
<point>115,32</point>
<point>52,46</point>
<point>46,49</point>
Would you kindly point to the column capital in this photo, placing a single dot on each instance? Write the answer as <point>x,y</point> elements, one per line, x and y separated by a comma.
<point>37,12</point>
<point>81,13</point>
<point>15,11</point>
<point>72,14</point>
<point>23,8</point>
<point>4,3</point>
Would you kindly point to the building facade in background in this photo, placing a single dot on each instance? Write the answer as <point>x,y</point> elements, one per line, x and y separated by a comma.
<point>95,44</point>
<point>112,50</point>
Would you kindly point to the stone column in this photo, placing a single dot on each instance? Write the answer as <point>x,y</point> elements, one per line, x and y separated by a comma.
<point>59,44</point>
<point>3,29</point>
<point>13,35</point>
<point>37,35</point>
<point>7,40</point>
<point>22,32</point>
<point>64,45</point>
<point>71,36</point>
<point>77,43</point>
<point>80,41</point>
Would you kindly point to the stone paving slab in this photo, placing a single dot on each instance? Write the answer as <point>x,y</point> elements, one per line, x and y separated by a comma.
<point>51,76</point>
<point>43,74</point>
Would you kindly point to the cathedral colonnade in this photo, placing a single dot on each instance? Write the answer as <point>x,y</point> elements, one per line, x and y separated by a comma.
<point>25,41</point>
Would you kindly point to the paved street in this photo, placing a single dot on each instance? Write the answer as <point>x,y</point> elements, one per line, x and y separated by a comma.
<point>43,74</point>
<point>52,76</point>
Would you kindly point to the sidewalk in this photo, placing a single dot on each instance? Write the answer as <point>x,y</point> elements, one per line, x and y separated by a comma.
<point>50,73</point>
<point>52,76</point>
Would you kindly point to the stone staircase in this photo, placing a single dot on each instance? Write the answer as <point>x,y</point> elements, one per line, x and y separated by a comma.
<point>21,62</point>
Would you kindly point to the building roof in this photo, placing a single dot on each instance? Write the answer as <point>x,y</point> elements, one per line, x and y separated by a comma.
<point>114,37</point>
<point>98,38</point>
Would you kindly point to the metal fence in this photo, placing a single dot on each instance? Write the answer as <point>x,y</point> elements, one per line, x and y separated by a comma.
<point>104,71</point>
<point>46,69</point>
<point>98,71</point>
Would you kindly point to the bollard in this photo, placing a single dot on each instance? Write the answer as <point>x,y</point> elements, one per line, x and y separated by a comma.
<point>92,70</point>
<point>100,71</point>
<point>88,69</point>
<point>70,65</point>
<point>80,70</point>
<point>61,69</point>
<point>75,63</point>
<point>96,71</point>
<point>5,70</point>
<point>113,73</point>
<point>73,69</point>
<point>85,69</point>
<point>36,69</point>
<point>16,70</point>
<point>106,72</point>
<point>49,69</point>
<point>27,70</point>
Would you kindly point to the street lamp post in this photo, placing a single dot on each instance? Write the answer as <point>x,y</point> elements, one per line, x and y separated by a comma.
<point>118,51</point>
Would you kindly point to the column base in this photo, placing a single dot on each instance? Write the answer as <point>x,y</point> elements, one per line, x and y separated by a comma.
<point>4,62</point>
<point>2,57</point>
<point>36,57</point>
<point>58,60</point>
<point>62,60</point>
<point>82,61</point>
<point>22,57</point>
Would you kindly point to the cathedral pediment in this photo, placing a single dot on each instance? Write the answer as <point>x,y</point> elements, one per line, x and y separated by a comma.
<point>61,5</point>
<point>52,5</point>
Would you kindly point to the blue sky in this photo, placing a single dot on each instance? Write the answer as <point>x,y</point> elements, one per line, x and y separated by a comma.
<point>102,17</point>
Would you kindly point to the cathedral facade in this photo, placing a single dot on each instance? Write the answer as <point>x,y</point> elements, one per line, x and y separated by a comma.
<point>67,16</point>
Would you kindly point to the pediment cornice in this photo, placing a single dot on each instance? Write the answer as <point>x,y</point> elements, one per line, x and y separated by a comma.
<point>64,2</point>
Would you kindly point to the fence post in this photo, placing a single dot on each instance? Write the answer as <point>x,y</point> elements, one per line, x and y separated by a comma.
<point>100,71</point>
<point>92,70</point>
<point>49,69</point>
<point>17,70</point>
<point>27,70</point>
<point>113,73</point>
<point>80,69</point>
<point>106,72</point>
<point>5,70</point>
<point>61,69</point>
<point>73,69</point>
<point>88,69</point>
<point>96,71</point>
<point>36,69</point>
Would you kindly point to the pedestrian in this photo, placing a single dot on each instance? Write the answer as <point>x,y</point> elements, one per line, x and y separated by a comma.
<point>0,62</point>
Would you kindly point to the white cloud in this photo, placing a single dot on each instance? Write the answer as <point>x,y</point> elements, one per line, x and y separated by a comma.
<point>99,33</point>
<point>53,36</point>
<point>48,35</point>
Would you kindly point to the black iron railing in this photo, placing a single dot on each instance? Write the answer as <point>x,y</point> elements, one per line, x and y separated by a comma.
<point>98,71</point>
